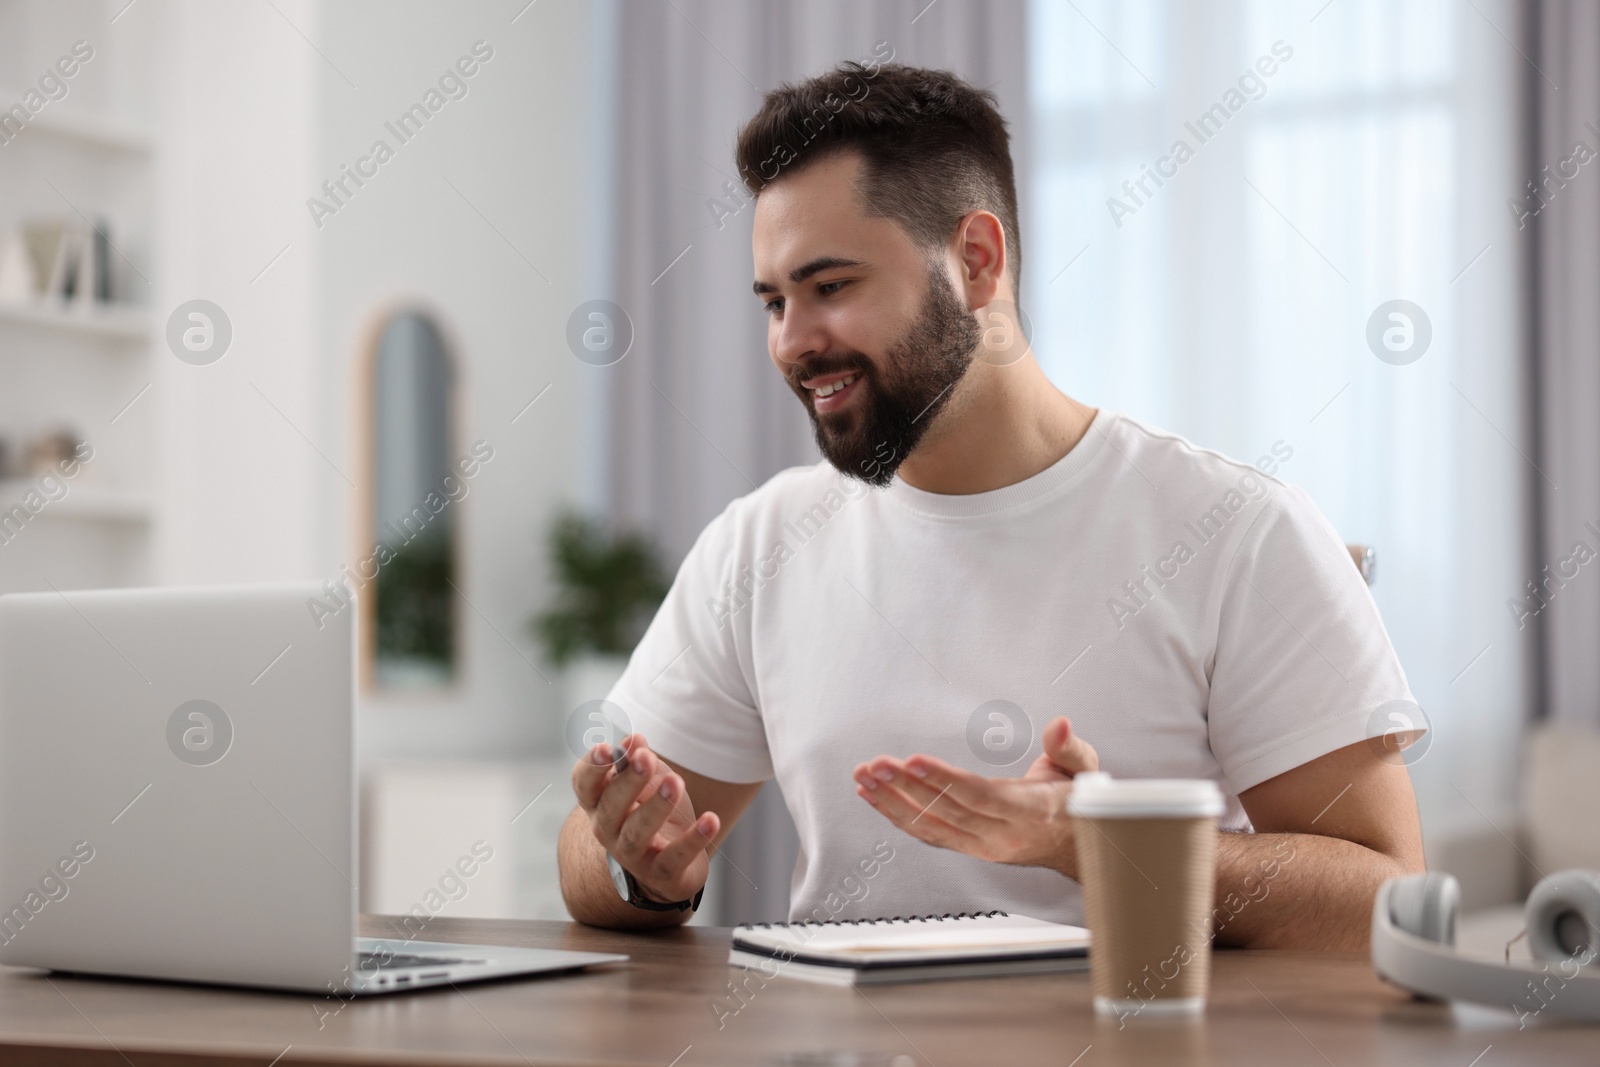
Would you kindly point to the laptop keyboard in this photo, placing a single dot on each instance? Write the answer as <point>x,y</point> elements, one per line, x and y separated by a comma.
<point>389,961</point>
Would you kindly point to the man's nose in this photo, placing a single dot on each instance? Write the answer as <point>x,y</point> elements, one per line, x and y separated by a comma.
<point>799,335</point>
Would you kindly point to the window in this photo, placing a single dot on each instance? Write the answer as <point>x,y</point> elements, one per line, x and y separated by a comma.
<point>1334,157</point>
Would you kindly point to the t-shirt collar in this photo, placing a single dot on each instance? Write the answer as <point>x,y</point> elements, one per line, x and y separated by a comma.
<point>973,505</point>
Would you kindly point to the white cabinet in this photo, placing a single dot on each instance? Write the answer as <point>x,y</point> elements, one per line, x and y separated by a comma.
<point>462,840</point>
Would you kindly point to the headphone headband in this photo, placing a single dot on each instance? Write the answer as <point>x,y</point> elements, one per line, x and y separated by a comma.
<point>1558,988</point>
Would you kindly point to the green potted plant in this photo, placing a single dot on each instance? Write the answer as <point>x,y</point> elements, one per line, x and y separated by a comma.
<point>608,586</point>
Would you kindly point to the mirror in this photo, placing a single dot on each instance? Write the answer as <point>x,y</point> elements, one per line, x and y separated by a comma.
<point>409,639</point>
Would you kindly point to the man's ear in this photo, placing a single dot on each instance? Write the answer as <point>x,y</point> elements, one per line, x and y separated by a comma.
<point>981,245</point>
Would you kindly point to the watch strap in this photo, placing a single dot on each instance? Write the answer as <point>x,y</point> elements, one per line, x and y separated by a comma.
<point>637,898</point>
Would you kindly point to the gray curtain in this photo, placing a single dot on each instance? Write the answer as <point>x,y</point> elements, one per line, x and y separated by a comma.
<point>697,414</point>
<point>1564,299</point>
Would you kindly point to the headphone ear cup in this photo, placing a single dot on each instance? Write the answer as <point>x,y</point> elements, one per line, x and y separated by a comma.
<point>1563,915</point>
<point>1425,906</point>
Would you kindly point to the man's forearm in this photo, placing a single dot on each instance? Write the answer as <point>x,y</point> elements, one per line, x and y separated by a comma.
<point>586,884</point>
<point>1297,891</point>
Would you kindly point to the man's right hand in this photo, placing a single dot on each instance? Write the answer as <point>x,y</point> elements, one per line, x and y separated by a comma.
<point>642,816</point>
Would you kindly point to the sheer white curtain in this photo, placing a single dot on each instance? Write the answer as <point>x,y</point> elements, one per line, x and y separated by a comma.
<point>1339,156</point>
<point>1563,226</point>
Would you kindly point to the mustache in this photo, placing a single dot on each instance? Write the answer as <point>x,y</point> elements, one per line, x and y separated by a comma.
<point>816,368</point>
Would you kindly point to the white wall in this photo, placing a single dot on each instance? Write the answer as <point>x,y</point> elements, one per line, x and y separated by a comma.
<point>502,282</point>
<point>233,118</point>
<point>256,110</point>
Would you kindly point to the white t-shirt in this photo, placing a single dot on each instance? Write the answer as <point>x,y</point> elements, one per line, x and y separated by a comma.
<point>1193,617</point>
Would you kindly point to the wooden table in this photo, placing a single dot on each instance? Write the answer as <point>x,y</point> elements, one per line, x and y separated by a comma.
<point>662,1009</point>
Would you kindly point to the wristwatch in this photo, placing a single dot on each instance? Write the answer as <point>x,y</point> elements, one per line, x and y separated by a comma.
<point>628,887</point>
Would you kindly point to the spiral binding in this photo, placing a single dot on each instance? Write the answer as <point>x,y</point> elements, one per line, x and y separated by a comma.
<point>946,917</point>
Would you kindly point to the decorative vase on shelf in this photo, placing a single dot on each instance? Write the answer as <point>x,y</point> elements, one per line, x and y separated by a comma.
<point>17,282</point>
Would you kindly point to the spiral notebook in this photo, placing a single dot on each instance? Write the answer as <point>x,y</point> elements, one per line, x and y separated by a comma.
<point>910,948</point>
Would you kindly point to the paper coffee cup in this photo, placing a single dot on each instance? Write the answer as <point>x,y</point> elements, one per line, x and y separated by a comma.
<point>1147,859</point>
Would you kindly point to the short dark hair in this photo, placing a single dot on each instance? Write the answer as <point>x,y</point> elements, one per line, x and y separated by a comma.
<point>933,146</point>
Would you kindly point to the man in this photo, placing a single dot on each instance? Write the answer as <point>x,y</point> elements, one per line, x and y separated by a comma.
<point>979,553</point>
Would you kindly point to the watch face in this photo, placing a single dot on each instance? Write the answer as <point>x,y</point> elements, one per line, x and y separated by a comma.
<point>619,878</point>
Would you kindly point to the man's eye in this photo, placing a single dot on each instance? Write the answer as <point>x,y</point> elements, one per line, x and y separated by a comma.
<point>772,305</point>
<point>829,288</point>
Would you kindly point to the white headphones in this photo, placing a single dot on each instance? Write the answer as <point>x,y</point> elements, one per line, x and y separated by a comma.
<point>1414,936</point>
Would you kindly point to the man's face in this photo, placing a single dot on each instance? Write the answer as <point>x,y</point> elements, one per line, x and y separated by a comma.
<point>866,329</point>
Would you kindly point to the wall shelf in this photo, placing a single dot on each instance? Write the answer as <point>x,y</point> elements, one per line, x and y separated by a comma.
<point>112,322</point>
<point>69,365</point>
<point>83,127</point>
<point>84,503</point>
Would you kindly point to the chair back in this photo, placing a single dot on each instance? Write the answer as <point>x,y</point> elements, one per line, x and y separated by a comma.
<point>1366,561</point>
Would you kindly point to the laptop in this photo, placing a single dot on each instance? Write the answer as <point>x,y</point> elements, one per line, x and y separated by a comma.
<point>178,796</point>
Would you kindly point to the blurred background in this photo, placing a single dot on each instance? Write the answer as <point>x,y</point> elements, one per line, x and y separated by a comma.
<point>284,282</point>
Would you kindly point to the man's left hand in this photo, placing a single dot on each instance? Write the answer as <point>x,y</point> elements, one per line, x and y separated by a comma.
<point>1022,821</point>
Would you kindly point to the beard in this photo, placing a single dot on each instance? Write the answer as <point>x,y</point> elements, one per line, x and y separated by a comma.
<point>904,396</point>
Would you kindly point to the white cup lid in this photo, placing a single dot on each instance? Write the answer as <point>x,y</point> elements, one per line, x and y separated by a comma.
<point>1096,794</point>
